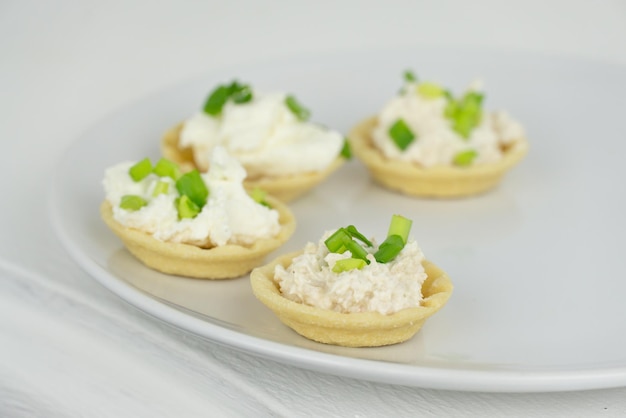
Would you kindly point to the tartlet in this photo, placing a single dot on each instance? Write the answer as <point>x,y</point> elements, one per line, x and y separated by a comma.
<point>283,152</point>
<point>285,188</point>
<point>363,329</point>
<point>427,142</point>
<point>222,262</point>
<point>440,181</point>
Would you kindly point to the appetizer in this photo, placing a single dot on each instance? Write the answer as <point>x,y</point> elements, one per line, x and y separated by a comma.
<point>427,142</point>
<point>196,225</point>
<point>347,290</point>
<point>269,133</point>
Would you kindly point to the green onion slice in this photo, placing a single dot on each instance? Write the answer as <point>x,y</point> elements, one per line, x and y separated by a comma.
<point>410,77</point>
<point>389,249</point>
<point>161,187</point>
<point>186,208</point>
<point>401,226</point>
<point>465,158</point>
<point>259,195</point>
<point>401,134</point>
<point>240,93</point>
<point>132,202</point>
<point>430,90</point>
<point>297,109</point>
<point>347,264</point>
<point>216,100</point>
<point>351,229</point>
<point>346,151</point>
<point>335,243</point>
<point>191,185</point>
<point>140,170</point>
<point>167,168</point>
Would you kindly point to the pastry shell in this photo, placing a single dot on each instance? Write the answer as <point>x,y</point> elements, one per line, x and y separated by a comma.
<point>285,188</point>
<point>221,262</point>
<point>363,329</point>
<point>440,181</point>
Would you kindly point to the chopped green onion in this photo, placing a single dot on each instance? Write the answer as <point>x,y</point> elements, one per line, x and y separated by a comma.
<point>132,202</point>
<point>401,226</point>
<point>430,90</point>
<point>258,195</point>
<point>356,250</point>
<point>216,100</point>
<point>347,264</point>
<point>346,151</point>
<point>465,158</point>
<point>297,109</point>
<point>140,170</point>
<point>409,76</point>
<point>351,229</point>
<point>335,243</point>
<point>240,93</point>
<point>389,249</point>
<point>160,188</point>
<point>167,168</point>
<point>466,113</point>
<point>186,207</point>
<point>191,185</point>
<point>401,134</point>
<point>341,241</point>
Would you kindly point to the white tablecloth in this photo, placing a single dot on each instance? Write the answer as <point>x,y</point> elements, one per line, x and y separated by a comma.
<point>68,347</point>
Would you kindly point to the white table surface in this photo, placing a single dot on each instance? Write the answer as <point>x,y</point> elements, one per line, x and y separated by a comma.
<point>69,347</point>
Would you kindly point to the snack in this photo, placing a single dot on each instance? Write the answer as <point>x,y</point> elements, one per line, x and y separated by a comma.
<point>283,153</point>
<point>196,225</point>
<point>426,142</point>
<point>354,294</point>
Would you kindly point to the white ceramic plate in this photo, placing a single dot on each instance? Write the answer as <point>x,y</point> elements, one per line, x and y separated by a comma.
<point>538,263</point>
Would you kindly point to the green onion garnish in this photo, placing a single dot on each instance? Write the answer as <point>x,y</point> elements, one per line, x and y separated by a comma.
<point>466,113</point>
<point>140,170</point>
<point>401,226</point>
<point>346,151</point>
<point>240,93</point>
<point>401,134</point>
<point>297,109</point>
<point>167,168</point>
<point>430,90</point>
<point>335,243</point>
<point>191,185</point>
<point>160,188</point>
<point>465,158</point>
<point>216,101</point>
<point>389,249</point>
<point>186,207</point>
<point>409,76</point>
<point>341,241</point>
<point>351,229</point>
<point>258,195</point>
<point>347,264</point>
<point>132,202</point>
<point>397,237</point>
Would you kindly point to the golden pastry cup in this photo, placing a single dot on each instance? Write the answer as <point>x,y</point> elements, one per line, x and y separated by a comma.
<point>440,181</point>
<point>363,329</point>
<point>221,262</point>
<point>284,188</point>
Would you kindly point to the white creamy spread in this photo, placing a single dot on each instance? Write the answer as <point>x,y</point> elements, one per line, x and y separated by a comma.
<point>230,215</point>
<point>436,142</point>
<point>264,135</point>
<point>377,287</point>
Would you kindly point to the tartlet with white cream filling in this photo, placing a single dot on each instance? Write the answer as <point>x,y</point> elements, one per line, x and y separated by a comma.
<point>195,225</point>
<point>269,133</point>
<point>426,142</point>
